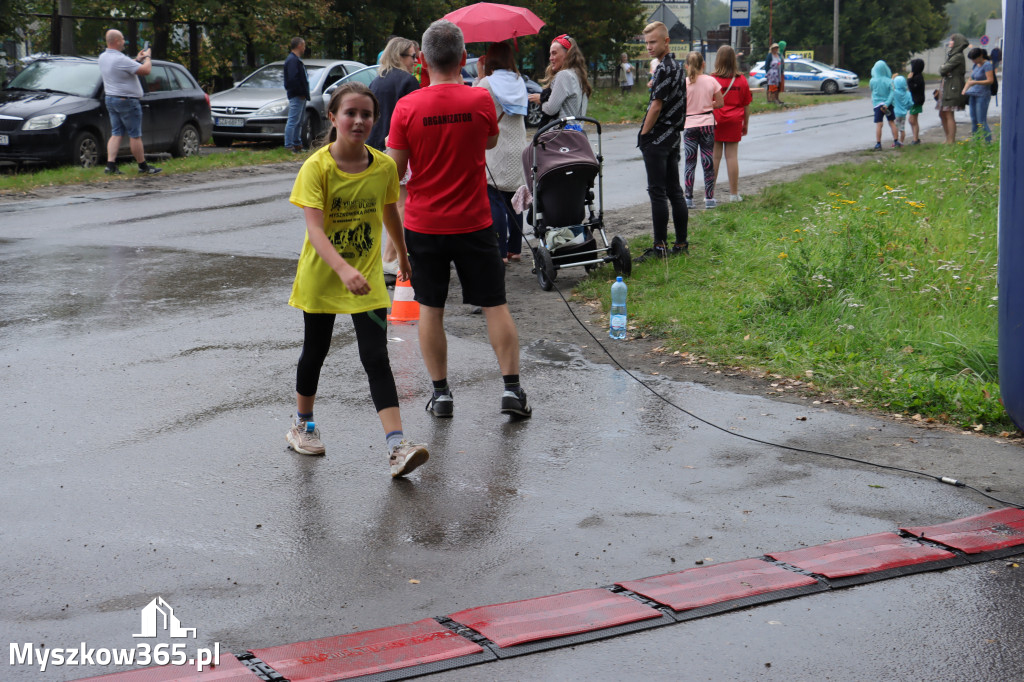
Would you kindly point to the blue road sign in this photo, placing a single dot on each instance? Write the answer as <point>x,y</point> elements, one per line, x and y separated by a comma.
<point>739,13</point>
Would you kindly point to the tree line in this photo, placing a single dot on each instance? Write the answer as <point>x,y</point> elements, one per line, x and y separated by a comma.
<point>869,30</point>
<point>238,35</point>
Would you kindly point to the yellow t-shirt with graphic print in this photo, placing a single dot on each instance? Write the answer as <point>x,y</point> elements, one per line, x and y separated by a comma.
<point>353,206</point>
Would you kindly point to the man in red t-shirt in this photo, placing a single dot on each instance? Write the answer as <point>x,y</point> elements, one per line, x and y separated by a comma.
<point>443,131</point>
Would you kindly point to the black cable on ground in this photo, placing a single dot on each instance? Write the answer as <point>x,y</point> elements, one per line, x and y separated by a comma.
<point>941,479</point>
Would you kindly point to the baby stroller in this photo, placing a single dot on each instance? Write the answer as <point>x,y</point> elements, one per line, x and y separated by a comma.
<point>560,168</point>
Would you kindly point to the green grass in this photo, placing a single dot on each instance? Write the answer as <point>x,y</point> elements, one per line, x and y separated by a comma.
<point>33,178</point>
<point>874,281</point>
<point>609,105</point>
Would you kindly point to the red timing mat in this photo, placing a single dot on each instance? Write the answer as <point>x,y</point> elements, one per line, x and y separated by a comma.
<point>1002,529</point>
<point>858,556</point>
<point>366,653</point>
<point>696,587</point>
<point>558,615</point>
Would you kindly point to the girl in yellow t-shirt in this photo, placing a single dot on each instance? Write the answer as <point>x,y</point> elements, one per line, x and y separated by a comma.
<point>346,189</point>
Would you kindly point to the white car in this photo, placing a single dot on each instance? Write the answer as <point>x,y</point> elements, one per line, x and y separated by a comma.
<point>257,108</point>
<point>807,75</point>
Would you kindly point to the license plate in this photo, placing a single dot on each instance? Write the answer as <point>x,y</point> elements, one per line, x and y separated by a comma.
<point>4,139</point>
<point>232,122</point>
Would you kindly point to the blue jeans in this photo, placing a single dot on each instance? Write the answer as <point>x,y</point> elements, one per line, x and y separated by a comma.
<point>979,115</point>
<point>293,129</point>
<point>507,223</point>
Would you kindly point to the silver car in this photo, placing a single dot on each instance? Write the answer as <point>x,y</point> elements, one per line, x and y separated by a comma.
<point>257,107</point>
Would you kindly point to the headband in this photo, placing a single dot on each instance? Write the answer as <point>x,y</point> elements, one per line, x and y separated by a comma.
<point>563,40</point>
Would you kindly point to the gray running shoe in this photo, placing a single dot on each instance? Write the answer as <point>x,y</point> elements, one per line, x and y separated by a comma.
<point>406,457</point>
<point>304,438</point>
<point>514,403</point>
<point>441,405</point>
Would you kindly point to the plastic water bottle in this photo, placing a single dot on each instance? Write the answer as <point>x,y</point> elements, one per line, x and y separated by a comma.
<point>617,328</point>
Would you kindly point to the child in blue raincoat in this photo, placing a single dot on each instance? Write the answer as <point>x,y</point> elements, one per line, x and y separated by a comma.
<point>902,101</point>
<point>881,100</point>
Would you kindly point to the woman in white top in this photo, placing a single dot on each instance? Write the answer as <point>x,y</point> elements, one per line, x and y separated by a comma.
<point>566,78</point>
<point>505,161</point>
<point>703,96</point>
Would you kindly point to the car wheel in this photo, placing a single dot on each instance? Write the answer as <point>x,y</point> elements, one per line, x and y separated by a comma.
<point>222,140</point>
<point>187,143</point>
<point>830,87</point>
<point>85,151</point>
<point>310,130</point>
<point>533,115</point>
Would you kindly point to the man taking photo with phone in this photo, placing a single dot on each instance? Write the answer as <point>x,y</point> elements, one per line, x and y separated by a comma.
<point>123,94</point>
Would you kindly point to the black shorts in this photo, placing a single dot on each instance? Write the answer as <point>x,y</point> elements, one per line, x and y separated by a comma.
<point>477,263</point>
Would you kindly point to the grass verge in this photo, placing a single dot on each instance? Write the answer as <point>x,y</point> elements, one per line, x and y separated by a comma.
<point>875,281</point>
<point>29,179</point>
<point>610,105</point>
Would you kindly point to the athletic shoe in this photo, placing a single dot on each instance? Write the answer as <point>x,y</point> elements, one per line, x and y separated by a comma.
<point>896,144</point>
<point>877,147</point>
<point>689,202</point>
<point>150,170</point>
<point>680,249</point>
<point>514,403</point>
<point>304,438</point>
<point>659,252</point>
<point>113,171</point>
<point>390,267</point>
<point>710,203</point>
<point>407,456</point>
<point>441,405</point>
<point>733,198</point>
<point>916,142</point>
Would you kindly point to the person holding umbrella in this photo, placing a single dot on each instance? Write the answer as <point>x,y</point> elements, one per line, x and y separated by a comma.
<point>505,162</point>
<point>565,81</point>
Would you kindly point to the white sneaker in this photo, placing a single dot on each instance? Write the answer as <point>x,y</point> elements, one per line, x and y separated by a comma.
<point>406,457</point>
<point>735,197</point>
<point>304,438</point>
<point>391,267</point>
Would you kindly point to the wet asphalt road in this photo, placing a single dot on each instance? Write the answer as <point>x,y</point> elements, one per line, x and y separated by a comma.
<point>147,356</point>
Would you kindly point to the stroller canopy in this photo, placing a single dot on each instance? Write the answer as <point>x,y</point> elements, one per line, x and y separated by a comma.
<point>559,149</point>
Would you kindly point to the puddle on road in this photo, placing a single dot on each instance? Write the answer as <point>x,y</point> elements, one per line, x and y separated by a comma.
<point>118,287</point>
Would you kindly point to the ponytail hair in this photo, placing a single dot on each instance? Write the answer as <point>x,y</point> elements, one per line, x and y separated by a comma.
<point>694,66</point>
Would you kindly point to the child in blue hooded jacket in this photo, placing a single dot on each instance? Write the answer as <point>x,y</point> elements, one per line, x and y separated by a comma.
<point>881,100</point>
<point>902,102</point>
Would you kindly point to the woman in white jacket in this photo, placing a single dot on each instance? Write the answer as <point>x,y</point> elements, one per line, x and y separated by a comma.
<point>505,161</point>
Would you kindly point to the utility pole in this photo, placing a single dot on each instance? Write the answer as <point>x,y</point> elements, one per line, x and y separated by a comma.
<point>835,33</point>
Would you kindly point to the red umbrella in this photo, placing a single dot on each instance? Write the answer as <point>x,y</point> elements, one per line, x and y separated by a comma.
<point>487,22</point>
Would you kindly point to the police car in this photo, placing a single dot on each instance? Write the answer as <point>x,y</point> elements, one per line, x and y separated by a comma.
<point>807,75</point>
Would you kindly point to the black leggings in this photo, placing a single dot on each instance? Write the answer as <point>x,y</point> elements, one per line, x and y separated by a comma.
<point>372,340</point>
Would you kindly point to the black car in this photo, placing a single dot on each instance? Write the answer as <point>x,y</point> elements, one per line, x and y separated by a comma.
<point>54,111</point>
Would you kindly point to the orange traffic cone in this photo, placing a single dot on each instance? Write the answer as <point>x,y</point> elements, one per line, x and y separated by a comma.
<point>404,308</point>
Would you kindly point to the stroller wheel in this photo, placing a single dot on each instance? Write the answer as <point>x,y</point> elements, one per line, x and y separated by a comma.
<point>544,267</point>
<point>620,257</point>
